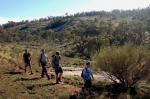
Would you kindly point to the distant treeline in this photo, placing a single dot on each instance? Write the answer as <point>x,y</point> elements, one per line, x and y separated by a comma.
<point>105,28</point>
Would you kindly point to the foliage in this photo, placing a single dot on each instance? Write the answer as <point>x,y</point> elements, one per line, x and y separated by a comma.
<point>122,26</point>
<point>143,86</point>
<point>86,32</point>
<point>127,64</point>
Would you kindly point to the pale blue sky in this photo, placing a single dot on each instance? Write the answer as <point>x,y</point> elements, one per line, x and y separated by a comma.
<point>17,10</point>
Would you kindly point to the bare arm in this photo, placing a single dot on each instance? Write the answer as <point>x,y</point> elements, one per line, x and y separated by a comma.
<point>92,75</point>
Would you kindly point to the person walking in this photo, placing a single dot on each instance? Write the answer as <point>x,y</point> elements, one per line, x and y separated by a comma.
<point>27,60</point>
<point>43,59</point>
<point>87,76</point>
<point>56,65</point>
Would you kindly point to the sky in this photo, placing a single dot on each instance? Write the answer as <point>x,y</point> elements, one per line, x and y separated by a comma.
<point>17,10</point>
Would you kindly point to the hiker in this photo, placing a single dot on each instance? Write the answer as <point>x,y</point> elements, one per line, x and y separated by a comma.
<point>27,60</point>
<point>87,76</point>
<point>56,65</point>
<point>43,58</point>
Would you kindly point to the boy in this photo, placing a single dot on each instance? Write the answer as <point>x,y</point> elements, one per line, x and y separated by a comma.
<point>87,76</point>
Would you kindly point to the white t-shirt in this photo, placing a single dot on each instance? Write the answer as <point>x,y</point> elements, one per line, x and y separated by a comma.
<point>43,57</point>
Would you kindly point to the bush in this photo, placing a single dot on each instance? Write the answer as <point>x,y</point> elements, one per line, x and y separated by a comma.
<point>143,87</point>
<point>125,65</point>
<point>69,53</point>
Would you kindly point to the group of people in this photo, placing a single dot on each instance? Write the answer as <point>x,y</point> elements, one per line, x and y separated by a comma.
<point>43,61</point>
<point>55,62</point>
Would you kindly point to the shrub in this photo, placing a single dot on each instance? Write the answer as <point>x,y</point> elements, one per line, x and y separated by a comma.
<point>125,65</point>
<point>143,87</point>
<point>69,53</point>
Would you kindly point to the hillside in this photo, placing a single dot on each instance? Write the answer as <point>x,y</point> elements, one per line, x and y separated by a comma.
<point>82,34</point>
<point>123,26</point>
<point>121,70</point>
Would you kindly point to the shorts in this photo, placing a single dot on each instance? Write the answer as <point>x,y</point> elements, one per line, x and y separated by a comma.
<point>88,83</point>
<point>58,70</point>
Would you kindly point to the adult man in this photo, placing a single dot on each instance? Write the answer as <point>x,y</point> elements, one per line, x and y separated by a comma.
<point>27,60</point>
<point>43,58</point>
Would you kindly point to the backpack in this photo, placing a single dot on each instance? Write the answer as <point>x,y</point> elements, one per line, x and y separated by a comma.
<point>43,57</point>
<point>55,62</point>
<point>82,74</point>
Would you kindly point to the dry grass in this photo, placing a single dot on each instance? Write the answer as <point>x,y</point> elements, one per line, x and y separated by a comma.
<point>17,85</point>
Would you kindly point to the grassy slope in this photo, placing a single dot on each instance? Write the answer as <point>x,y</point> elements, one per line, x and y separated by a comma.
<point>16,85</point>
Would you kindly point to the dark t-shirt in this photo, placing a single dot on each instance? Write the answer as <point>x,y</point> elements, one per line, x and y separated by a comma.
<point>56,60</point>
<point>27,57</point>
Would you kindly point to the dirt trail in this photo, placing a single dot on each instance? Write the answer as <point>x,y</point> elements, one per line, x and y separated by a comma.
<point>76,71</point>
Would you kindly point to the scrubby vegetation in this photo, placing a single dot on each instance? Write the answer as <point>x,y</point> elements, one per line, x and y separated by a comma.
<point>88,29</point>
<point>126,67</point>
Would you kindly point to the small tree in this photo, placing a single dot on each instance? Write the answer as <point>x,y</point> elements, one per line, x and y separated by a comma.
<point>126,64</point>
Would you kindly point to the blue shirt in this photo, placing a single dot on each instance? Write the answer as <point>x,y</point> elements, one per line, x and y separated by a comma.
<point>87,73</point>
